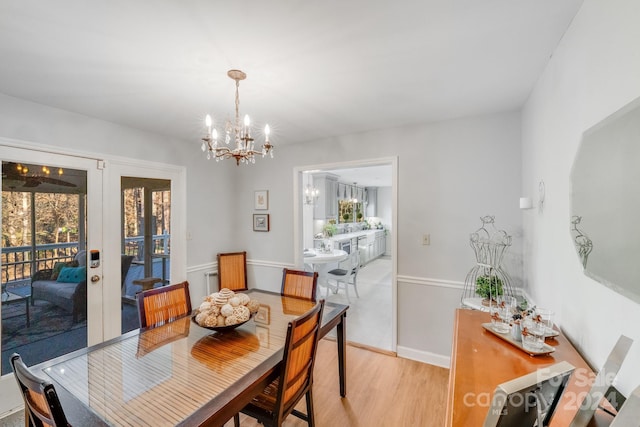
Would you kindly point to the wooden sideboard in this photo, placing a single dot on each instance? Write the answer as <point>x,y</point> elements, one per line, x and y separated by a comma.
<point>480,361</point>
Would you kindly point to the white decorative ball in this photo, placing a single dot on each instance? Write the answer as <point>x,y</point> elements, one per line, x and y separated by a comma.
<point>200,317</point>
<point>242,313</point>
<point>211,321</point>
<point>231,320</point>
<point>244,298</point>
<point>226,310</point>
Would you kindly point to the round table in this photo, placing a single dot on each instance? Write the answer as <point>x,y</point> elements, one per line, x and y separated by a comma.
<point>316,258</point>
<point>318,261</point>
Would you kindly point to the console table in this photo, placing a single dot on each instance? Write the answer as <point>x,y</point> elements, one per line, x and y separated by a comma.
<point>480,361</point>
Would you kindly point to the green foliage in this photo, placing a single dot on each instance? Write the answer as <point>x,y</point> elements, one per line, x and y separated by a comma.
<point>487,286</point>
<point>330,229</point>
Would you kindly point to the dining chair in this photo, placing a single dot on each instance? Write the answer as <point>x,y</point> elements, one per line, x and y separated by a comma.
<point>41,404</point>
<point>345,275</point>
<point>232,271</point>
<point>299,284</point>
<point>158,306</point>
<point>295,379</point>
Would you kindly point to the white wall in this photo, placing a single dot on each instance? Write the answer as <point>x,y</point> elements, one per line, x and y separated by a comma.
<point>592,73</point>
<point>450,174</point>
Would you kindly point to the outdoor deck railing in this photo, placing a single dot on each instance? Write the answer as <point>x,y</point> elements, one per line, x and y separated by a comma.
<point>20,262</point>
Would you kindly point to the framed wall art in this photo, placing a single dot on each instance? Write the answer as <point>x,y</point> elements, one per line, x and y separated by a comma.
<point>261,201</point>
<point>260,222</point>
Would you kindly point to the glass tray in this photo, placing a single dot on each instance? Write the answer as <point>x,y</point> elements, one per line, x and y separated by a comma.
<point>546,348</point>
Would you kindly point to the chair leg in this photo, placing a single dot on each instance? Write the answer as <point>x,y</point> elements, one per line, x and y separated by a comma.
<point>346,290</point>
<point>310,417</point>
<point>236,420</point>
<point>355,287</point>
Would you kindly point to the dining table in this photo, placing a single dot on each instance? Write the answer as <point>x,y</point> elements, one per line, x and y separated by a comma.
<point>183,374</point>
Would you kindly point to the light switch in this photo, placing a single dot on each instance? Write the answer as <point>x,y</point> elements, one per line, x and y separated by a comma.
<point>426,239</point>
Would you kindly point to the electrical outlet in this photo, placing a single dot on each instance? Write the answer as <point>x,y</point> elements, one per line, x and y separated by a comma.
<point>426,239</point>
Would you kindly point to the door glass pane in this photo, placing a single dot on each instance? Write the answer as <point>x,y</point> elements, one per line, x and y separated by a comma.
<point>43,230</point>
<point>145,244</point>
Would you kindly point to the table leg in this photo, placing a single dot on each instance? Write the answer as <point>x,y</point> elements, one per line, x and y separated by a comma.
<point>342,357</point>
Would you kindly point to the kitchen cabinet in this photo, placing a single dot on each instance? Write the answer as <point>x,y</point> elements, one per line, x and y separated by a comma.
<point>372,201</point>
<point>380,244</point>
<point>327,203</point>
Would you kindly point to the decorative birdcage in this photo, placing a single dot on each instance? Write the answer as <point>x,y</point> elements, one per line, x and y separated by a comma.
<point>487,280</point>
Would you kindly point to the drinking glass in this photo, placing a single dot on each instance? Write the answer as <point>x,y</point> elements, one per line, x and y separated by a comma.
<point>501,315</point>
<point>532,335</point>
<point>545,317</point>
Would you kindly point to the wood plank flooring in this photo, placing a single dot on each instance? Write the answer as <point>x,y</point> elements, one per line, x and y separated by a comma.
<point>382,391</point>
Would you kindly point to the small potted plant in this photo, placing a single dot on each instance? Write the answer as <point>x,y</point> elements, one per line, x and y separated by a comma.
<point>329,230</point>
<point>489,287</point>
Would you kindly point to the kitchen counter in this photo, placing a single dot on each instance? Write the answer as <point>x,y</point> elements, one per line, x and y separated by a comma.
<point>354,235</point>
<point>370,243</point>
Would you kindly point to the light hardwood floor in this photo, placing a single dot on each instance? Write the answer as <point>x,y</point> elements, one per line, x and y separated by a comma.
<point>382,391</point>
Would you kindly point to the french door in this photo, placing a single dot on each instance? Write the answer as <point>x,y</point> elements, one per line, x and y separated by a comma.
<point>79,181</point>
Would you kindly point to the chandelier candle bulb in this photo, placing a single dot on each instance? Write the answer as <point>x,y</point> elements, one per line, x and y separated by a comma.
<point>267,131</point>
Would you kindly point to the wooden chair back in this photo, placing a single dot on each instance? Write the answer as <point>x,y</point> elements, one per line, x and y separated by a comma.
<point>300,347</point>
<point>295,380</point>
<point>299,284</point>
<point>41,404</point>
<point>232,271</point>
<point>158,306</point>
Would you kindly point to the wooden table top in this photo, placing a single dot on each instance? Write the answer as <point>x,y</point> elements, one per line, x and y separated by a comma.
<point>179,373</point>
<point>480,361</point>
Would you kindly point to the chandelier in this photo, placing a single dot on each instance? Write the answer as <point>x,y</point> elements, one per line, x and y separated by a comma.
<point>244,151</point>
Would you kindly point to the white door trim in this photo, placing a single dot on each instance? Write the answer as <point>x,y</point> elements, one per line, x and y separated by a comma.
<point>297,222</point>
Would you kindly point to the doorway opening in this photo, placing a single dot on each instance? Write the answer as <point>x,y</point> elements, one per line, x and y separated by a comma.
<point>352,207</point>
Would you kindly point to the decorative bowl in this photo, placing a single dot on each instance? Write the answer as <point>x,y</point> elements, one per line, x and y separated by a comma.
<point>219,328</point>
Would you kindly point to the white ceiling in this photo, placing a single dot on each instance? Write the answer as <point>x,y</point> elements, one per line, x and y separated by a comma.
<point>315,68</point>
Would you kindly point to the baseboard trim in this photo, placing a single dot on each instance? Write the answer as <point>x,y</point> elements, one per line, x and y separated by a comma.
<point>364,347</point>
<point>424,356</point>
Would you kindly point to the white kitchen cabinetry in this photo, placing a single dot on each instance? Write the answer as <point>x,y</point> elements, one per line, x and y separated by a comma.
<point>327,204</point>
<point>380,244</point>
<point>373,247</point>
<point>372,200</point>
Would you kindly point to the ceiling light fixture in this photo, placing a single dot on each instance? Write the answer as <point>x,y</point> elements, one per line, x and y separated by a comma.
<point>245,149</point>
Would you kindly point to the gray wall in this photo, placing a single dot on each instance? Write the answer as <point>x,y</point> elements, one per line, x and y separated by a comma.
<point>449,174</point>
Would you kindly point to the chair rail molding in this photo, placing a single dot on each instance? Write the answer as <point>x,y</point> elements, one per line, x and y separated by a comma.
<point>425,281</point>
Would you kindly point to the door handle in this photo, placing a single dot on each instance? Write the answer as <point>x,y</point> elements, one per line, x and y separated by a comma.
<point>95,278</point>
